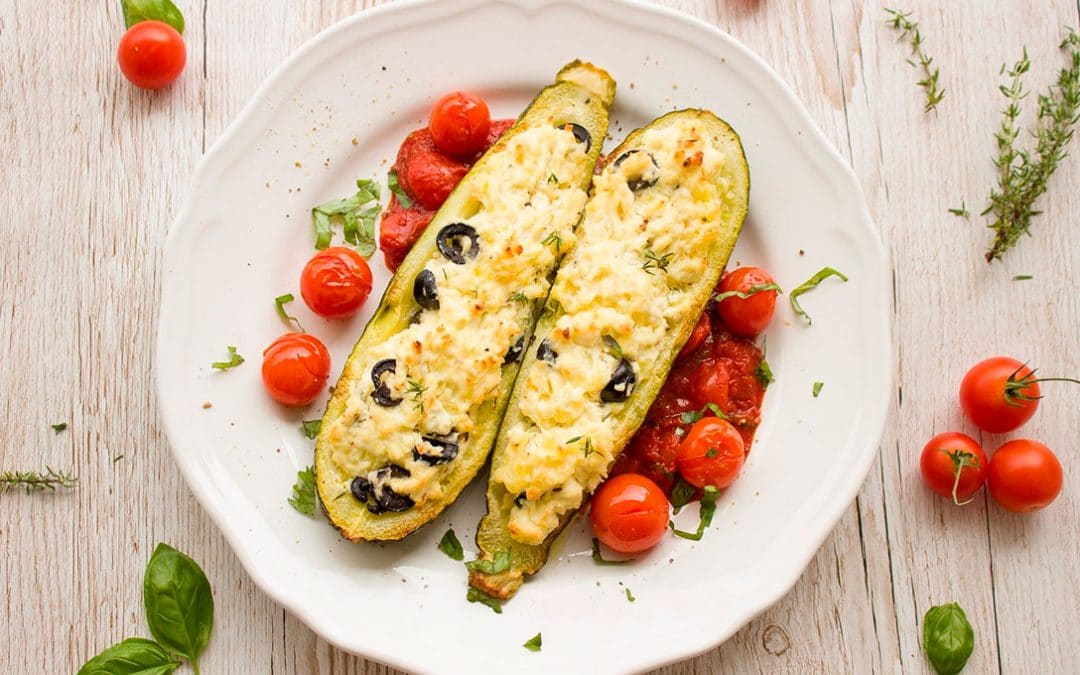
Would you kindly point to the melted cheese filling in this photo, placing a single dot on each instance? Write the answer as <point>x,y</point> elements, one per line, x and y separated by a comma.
<point>449,363</point>
<point>636,252</point>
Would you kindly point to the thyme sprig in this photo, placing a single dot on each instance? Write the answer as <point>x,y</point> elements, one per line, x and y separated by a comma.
<point>909,30</point>
<point>32,481</point>
<point>1023,174</point>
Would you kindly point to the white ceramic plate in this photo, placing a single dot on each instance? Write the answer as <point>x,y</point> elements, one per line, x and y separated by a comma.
<point>244,233</point>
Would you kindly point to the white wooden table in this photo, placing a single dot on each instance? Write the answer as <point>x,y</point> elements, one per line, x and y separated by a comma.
<point>92,173</point>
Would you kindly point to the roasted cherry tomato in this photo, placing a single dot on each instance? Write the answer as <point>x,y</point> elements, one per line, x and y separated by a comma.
<point>335,282</point>
<point>399,230</point>
<point>1024,476</point>
<point>747,316</point>
<point>629,513</point>
<point>295,369</point>
<point>711,454</point>
<point>954,465</point>
<point>1000,394</point>
<point>710,384</point>
<point>460,123</point>
<point>701,331</point>
<point>151,54</point>
<point>431,177</point>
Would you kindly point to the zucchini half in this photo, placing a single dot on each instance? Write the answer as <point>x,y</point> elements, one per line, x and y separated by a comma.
<point>414,414</point>
<point>664,217</point>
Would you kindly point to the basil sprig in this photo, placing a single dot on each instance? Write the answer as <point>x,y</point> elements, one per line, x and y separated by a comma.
<point>137,11</point>
<point>359,222</point>
<point>180,613</point>
<point>948,638</point>
<point>708,509</point>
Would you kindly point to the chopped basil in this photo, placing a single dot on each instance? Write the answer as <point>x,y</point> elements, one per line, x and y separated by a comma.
<point>681,494</point>
<point>498,565</point>
<point>764,373</point>
<point>519,297</point>
<point>573,440</point>
<point>823,274</point>
<point>711,453</point>
<point>57,428</point>
<point>817,388</point>
<point>234,360</point>
<point>280,302</point>
<point>534,643</point>
<point>359,223</point>
<point>720,297</point>
<point>303,492</point>
<point>708,509</point>
<point>398,191</point>
<point>613,348</point>
<point>629,595</point>
<point>553,238</point>
<point>692,416</point>
<point>476,595</point>
<point>311,428</point>
<point>1023,277</point>
<point>599,560</point>
<point>450,545</point>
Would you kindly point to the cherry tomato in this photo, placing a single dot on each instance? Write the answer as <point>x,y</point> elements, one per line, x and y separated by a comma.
<point>629,513</point>
<point>399,230</point>
<point>710,384</point>
<point>698,335</point>
<point>746,317</point>
<point>1024,475</point>
<point>460,123</point>
<point>711,454</point>
<point>335,282</point>
<point>295,368</point>
<point>954,465</point>
<point>151,54</point>
<point>1000,394</point>
<point>431,177</point>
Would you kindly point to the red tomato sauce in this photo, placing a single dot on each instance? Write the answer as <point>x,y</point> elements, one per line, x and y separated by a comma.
<point>427,176</point>
<point>714,367</point>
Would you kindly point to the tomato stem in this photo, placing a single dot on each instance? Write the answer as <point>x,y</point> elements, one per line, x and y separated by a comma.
<point>960,461</point>
<point>1014,388</point>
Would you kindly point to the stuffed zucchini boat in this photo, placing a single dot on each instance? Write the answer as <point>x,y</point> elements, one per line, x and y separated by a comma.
<point>416,410</point>
<point>656,235</point>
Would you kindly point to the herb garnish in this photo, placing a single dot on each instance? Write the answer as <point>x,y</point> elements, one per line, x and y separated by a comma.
<point>234,360</point>
<point>32,481</point>
<point>764,373</point>
<point>681,494</point>
<point>599,560</point>
<point>708,509</point>
<point>450,545</point>
<point>692,416</point>
<point>1023,277</point>
<point>137,11</point>
<point>534,643</point>
<point>416,390</point>
<point>817,388</point>
<point>303,492</point>
<point>962,211</point>
<point>57,428</point>
<point>711,453</point>
<point>822,274</point>
<point>948,638</point>
<point>629,595</point>
<point>759,288</point>
<point>1022,174</point>
<point>613,348</point>
<point>311,428</point>
<point>519,297</point>
<point>553,179</point>
<point>399,192</point>
<point>910,29</point>
<point>498,565</point>
<point>280,302</point>
<point>655,262</point>
<point>359,223</point>
<point>476,595</point>
<point>553,238</point>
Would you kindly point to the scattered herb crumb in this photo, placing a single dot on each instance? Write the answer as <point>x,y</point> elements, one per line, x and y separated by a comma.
<point>476,595</point>
<point>450,545</point>
<point>117,458</point>
<point>1023,277</point>
<point>534,643</point>
<point>962,211</point>
<point>629,595</point>
<point>817,388</point>
<point>58,427</point>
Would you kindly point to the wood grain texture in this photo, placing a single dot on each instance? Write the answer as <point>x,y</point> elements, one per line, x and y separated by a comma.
<point>94,171</point>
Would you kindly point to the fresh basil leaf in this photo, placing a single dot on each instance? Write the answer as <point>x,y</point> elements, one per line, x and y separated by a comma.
<point>823,274</point>
<point>630,596</point>
<point>57,428</point>
<point>764,373</point>
<point>708,509</point>
<point>323,233</point>
<point>234,360</point>
<point>450,545</point>
<point>399,192</point>
<point>179,603</point>
<point>760,288</point>
<point>311,428</point>
<point>534,643</point>
<point>599,560</point>
<point>303,492</point>
<point>613,348</point>
<point>948,638</point>
<point>136,11</point>
<point>681,494</point>
<point>476,595</point>
<point>280,302</point>
<point>817,388</point>
<point>133,656</point>
<point>500,564</point>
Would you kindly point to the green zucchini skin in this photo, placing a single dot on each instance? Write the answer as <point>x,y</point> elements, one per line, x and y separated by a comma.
<point>493,535</point>
<point>581,94</point>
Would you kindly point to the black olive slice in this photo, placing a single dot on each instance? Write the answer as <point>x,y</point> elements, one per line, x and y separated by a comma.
<point>458,242</point>
<point>385,498</point>
<point>360,488</point>
<point>545,353</point>
<point>382,393</point>
<point>581,134</point>
<point>621,384</point>
<point>514,353</point>
<point>519,500</point>
<point>443,449</point>
<point>424,291</point>
<point>645,180</point>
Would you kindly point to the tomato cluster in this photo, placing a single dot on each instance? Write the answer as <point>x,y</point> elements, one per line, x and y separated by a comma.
<point>998,395</point>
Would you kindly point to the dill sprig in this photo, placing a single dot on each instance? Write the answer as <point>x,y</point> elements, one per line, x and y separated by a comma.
<point>655,262</point>
<point>33,481</point>
<point>1022,174</point>
<point>416,391</point>
<point>910,30</point>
